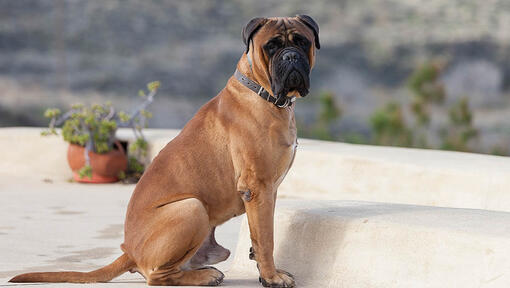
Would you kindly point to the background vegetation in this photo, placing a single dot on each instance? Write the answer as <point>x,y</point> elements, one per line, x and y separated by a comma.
<point>390,126</point>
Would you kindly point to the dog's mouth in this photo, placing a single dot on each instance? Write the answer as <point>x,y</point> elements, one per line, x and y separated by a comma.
<point>290,71</point>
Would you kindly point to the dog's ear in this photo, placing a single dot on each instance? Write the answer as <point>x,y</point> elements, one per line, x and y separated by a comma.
<point>308,21</point>
<point>250,29</point>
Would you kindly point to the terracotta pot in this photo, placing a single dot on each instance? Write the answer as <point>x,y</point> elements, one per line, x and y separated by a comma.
<point>105,167</point>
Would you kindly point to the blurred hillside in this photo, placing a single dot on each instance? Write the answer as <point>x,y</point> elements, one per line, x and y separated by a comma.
<point>55,52</point>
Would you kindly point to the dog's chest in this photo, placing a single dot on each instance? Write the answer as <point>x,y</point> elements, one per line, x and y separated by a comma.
<point>287,154</point>
<point>287,164</point>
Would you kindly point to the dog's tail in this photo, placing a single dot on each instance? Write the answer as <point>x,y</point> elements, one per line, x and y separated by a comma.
<point>105,274</point>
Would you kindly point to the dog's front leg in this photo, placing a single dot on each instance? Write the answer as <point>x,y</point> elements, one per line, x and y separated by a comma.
<point>259,202</point>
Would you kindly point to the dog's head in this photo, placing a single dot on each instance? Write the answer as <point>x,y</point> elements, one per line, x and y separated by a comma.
<point>282,52</point>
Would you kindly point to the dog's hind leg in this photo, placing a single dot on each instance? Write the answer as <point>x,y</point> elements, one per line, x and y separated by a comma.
<point>177,232</point>
<point>209,253</point>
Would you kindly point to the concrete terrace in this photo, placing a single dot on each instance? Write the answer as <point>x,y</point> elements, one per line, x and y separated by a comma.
<point>347,216</point>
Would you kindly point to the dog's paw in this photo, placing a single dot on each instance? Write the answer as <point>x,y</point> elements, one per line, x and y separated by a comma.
<point>214,276</point>
<point>281,279</point>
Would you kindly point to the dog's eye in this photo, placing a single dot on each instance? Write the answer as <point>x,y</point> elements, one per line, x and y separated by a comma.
<point>301,42</point>
<point>272,46</point>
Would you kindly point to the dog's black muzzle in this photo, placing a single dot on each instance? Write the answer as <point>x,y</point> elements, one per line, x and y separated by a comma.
<point>290,70</point>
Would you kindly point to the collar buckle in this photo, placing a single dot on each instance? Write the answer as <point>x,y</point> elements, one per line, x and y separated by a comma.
<point>287,103</point>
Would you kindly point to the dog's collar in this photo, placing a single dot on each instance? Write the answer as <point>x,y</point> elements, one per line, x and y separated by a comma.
<point>280,102</point>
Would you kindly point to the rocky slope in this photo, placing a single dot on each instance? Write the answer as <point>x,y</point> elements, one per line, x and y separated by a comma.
<point>114,47</point>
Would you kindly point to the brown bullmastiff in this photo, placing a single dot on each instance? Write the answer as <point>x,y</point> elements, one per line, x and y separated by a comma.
<point>229,159</point>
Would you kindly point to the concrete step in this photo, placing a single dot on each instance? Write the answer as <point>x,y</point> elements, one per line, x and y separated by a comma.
<point>364,244</point>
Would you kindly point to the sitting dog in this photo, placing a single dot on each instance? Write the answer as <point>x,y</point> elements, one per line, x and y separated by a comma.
<point>229,159</point>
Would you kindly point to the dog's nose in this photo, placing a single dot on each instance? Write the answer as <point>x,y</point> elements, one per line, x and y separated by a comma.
<point>290,56</point>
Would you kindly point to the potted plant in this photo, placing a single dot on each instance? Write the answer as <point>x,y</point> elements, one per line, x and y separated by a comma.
<point>95,155</point>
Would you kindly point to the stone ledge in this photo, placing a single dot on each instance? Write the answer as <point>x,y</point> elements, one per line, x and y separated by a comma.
<point>328,170</point>
<point>363,244</point>
<point>321,170</point>
<point>24,152</point>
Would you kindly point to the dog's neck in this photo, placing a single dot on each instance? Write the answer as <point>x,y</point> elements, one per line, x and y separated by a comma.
<point>250,100</point>
<point>244,66</point>
<point>252,84</point>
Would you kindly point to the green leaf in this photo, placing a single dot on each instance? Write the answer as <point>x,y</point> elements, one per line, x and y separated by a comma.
<point>52,113</point>
<point>153,85</point>
<point>85,171</point>
<point>123,117</point>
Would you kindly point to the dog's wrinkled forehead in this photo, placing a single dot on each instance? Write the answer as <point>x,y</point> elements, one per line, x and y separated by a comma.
<point>284,28</point>
<point>260,30</point>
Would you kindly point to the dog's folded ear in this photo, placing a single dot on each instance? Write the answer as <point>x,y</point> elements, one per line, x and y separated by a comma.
<point>250,29</point>
<point>308,21</point>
